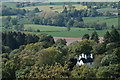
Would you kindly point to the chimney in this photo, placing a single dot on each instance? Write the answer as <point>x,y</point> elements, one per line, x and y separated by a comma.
<point>79,57</point>
<point>91,55</point>
<point>82,55</point>
<point>85,57</point>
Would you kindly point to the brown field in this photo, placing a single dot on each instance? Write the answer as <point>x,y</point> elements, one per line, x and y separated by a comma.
<point>70,40</point>
<point>57,8</point>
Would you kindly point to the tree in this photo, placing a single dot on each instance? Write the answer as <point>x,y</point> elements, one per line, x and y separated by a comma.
<point>97,61</point>
<point>85,46</point>
<point>49,56</point>
<point>86,36</point>
<point>111,71</point>
<point>61,41</point>
<point>94,36</point>
<point>59,20</point>
<point>110,59</point>
<point>36,10</point>
<point>83,72</point>
<point>107,37</point>
<point>107,13</point>
<point>54,71</point>
<point>47,38</point>
<point>115,36</point>
<point>99,49</point>
<point>8,70</point>
<point>65,10</point>
<point>117,52</point>
<point>14,21</point>
<point>79,19</point>
<point>19,27</point>
<point>8,18</point>
<point>69,24</point>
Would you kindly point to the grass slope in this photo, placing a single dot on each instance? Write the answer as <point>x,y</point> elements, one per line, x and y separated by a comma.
<point>57,8</point>
<point>62,32</point>
<point>107,9</point>
<point>9,4</point>
<point>109,20</point>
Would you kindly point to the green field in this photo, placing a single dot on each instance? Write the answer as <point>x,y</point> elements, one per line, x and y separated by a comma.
<point>9,4</point>
<point>107,9</point>
<point>109,20</point>
<point>48,28</point>
<point>62,32</point>
<point>54,3</point>
<point>75,34</point>
<point>58,8</point>
<point>10,16</point>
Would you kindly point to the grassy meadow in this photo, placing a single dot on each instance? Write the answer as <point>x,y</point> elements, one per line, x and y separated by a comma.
<point>107,9</point>
<point>57,8</point>
<point>109,20</point>
<point>62,31</point>
<point>9,4</point>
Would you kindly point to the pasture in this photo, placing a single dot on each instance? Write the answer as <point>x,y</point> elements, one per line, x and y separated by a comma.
<point>48,28</point>
<point>9,4</point>
<point>58,8</point>
<point>62,31</point>
<point>109,20</point>
<point>112,10</point>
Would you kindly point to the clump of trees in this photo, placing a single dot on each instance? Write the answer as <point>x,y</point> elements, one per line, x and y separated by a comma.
<point>13,40</point>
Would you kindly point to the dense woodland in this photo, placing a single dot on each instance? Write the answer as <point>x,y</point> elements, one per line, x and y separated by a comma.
<point>45,58</point>
<point>35,56</point>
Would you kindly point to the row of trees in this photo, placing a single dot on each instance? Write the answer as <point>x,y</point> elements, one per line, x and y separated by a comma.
<point>59,20</point>
<point>6,11</point>
<point>98,4</point>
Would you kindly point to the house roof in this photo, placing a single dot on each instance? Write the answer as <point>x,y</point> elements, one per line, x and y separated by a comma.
<point>86,60</point>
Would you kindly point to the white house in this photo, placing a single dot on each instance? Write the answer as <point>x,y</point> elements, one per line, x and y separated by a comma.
<point>85,59</point>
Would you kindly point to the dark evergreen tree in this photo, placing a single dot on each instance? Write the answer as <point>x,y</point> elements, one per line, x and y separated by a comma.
<point>36,10</point>
<point>94,36</point>
<point>107,37</point>
<point>86,36</point>
<point>115,36</point>
<point>65,10</point>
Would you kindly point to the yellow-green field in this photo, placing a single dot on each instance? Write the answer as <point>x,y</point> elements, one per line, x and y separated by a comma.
<point>57,8</point>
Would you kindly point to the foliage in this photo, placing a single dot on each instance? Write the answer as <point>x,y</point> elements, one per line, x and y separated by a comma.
<point>46,71</point>
<point>53,55</point>
<point>94,37</point>
<point>109,59</point>
<point>83,72</point>
<point>61,41</point>
<point>99,49</point>
<point>8,70</point>
<point>111,71</point>
<point>115,36</point>
<point>85,36</point>
<point>97,61</point>
<point>85,46</point>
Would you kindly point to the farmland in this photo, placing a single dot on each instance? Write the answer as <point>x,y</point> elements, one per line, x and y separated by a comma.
<point>109,20</point>
<point>9,4</point>
<point>57,8</point>
<point>108,9</point>
<point>62,32</point>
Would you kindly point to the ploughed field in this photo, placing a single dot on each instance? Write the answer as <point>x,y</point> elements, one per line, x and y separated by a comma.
<point>70,40</point>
